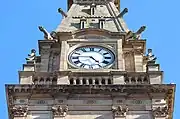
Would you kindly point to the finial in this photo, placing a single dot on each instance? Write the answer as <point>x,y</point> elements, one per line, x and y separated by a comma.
<point>31,56</point>
<point>151,57</point>
<point>123,12</point>
<point>47,35</point>
<point>62,12</point>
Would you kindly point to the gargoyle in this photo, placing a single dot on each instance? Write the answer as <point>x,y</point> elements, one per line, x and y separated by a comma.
<point>47,35</point>
<point>136,35</point>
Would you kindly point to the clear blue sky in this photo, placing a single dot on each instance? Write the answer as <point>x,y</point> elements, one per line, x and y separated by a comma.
<point>19,20</point>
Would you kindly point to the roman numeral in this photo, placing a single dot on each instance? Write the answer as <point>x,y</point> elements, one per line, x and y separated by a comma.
<point>77,62</point>
<point>105,53</point>
<point>107,57</point>
<point>77,53</point>
<point>99,50</point>
<point>83,49</point>
<point>82,65</point>
<point>75,57</point>
<point>90,67</point>
<point>91,49</point>
<point>105,62</point>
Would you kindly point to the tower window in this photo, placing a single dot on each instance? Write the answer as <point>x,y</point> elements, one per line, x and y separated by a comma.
<point>82,23</point>
<point>101,23</point>
<point>93,9</point>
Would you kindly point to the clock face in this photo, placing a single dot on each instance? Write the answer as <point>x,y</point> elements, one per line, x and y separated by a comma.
<point>91,57</point>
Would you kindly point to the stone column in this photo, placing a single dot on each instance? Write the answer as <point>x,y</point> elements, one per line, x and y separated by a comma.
<point>120,64</point>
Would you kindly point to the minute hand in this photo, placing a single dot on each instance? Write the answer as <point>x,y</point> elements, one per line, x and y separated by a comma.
<point>93,59</point>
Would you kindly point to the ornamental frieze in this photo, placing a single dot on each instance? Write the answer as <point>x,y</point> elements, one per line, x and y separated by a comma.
<point>160,111</point>
<point>19,111</point>
<point>60,110</point>
<point>119,110</point>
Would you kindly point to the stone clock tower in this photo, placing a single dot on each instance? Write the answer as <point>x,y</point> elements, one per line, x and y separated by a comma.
<point>91,67</point>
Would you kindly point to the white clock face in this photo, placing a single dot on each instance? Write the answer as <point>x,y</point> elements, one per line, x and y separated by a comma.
<point>91,57</point>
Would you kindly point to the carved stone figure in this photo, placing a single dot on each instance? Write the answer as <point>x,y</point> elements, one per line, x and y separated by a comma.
<point>119,111</point>
<point>151,57</point>
<point>32,56</point>
<point>60,111</point>
<point>160,111</point>
<point>47,35</point>
<point>19,111</point>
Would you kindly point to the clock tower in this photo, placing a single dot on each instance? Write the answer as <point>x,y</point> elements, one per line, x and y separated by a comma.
<point>91,67</point>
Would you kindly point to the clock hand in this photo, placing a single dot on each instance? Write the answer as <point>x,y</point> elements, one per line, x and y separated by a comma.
<point>93,59</point>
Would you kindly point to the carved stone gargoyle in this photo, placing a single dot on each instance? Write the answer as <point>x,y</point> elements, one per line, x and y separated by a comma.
<point>31,56</point>
<point>60,111</point>
<point>136,35</point>
<point>19,111</point>
<point>151,57</point>
<point>47,35</point>
<point>160,111</point>
<point>119,111</point>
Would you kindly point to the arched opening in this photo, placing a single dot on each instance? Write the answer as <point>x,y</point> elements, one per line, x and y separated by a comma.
<point>35,81</point>
<point>133,80</point>
<point>96,81</point>
<point>139,80</point>
<point>71,81</point>
<point>145,80</point>
<point>41,81</point>
<point>126,80</point>
<point>84,81</point>
<point>54,81</point>
<point>77,81</point>
<point>109,81</point>
<point>90,81</point>
<point>103,81</point>
<point>48,81</point>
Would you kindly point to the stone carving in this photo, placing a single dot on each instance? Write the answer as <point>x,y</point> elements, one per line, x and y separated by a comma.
<point>47,35</point>
<point>151,57</point>
<point>119,111</point>
<point>160,111</point>
<point>60,111</point>
<point>136,35</point>
<point>32,56</point>
<point>19,111</point>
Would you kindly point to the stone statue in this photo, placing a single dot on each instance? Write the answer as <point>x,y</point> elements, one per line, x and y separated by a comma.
<point>60,111</point>
<point>31,57</point>
<point>47,35</point>
<point>150,56</point>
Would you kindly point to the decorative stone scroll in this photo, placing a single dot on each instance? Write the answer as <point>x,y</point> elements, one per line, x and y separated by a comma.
<point>119,110</point>
<point>160,111</point>
<point>19,111</point>
<point>60,110</point>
